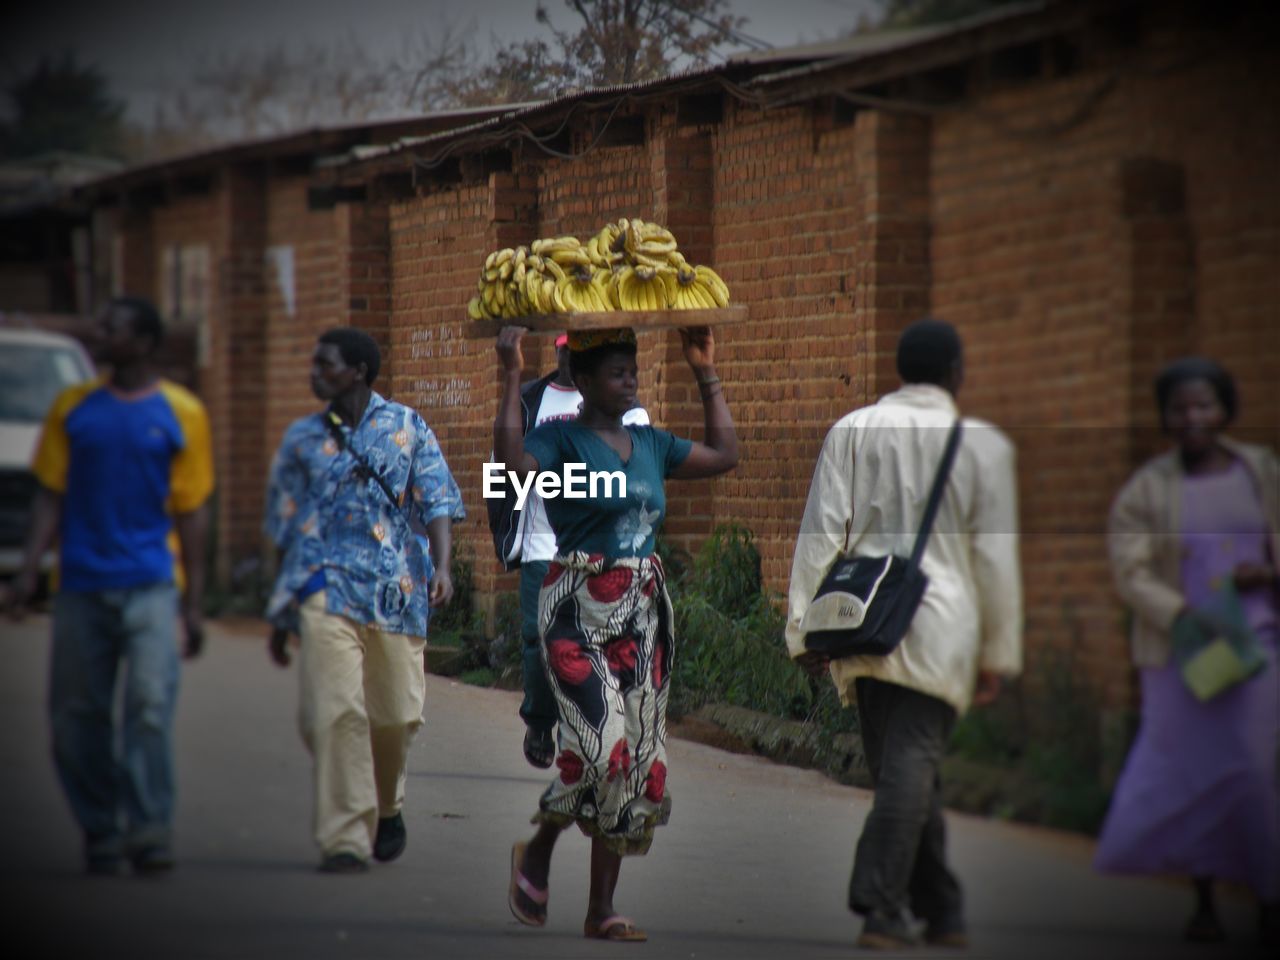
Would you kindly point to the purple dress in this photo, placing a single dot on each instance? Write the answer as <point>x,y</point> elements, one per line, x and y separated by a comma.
<point>1199,795</point>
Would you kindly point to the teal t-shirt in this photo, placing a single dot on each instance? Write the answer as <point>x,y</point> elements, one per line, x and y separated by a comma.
<point>615,526</point>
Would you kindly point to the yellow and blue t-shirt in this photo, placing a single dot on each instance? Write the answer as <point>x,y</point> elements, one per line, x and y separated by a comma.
<point>124,464</point>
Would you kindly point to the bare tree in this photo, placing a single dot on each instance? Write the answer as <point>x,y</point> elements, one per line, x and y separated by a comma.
<point>264,91</point>
<point>433,67</point>
<point>518,73</point>
<point>277,88</point>
<point>611,42</point>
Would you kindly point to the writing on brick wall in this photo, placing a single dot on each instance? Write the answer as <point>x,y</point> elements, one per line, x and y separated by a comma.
<point>424,344</point>
<point>437,394</point>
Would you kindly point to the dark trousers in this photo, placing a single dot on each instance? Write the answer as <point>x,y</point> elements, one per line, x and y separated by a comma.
<point>538,709</point>
<point>901,860</point>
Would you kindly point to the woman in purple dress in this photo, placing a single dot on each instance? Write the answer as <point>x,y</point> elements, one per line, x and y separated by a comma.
<point>1198,796</point>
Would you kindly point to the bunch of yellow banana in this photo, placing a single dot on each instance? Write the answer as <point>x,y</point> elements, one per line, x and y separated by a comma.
<point>540,279</point>
<point>648,244</point>
<point>697,288</point>
<point>628,265</point>
<point>583,290</point>
<point>566,251</point>
<point>653,246</point>
<point>501,285</point>
<point>641,288</point>
<point>604,249</point>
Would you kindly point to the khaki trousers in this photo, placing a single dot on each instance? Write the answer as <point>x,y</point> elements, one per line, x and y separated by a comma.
<point>361,704</point>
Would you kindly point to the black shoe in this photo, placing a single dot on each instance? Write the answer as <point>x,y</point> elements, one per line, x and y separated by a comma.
<point>343,863</point>
<point>886,931</point>
<point>152,860</point>
<point>391,840</point>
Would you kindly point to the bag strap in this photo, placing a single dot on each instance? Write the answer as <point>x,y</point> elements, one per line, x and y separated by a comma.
<point>935,494</point>
<point>334,425</point>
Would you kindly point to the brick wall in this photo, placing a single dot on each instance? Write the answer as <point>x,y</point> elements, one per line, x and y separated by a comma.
<point>1075,258</point>
<point>437,244</point>
<point>364,276</point>
<point>240,367</point>
<point>1078,262</point>
<point>1028,263</point>
<point>1080,227</point>
<point>793,241</point>
<point>302,284</point>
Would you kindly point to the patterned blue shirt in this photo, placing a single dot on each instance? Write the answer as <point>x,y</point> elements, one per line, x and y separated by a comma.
<point>328,516</point>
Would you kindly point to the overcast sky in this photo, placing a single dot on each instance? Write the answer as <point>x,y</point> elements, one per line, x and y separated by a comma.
<point>145,46</point>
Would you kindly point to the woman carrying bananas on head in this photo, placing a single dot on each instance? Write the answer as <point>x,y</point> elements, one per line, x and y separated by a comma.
<point>605,620</point>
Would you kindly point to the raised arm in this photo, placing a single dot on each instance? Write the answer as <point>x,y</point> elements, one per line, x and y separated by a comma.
<point>508,430</point>
<point>718,453</point>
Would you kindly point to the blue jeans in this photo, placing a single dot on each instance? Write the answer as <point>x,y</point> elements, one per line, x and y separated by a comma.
<point>538,710</point>
<point>93,634</point>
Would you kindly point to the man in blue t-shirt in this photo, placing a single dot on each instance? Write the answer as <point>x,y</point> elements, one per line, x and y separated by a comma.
<point>123,464</point>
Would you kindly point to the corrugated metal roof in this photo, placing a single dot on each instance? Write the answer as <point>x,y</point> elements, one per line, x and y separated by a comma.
<point>862,45</point>
<point>808,59</point>
<point>322,138</point>
<point>518,113</point>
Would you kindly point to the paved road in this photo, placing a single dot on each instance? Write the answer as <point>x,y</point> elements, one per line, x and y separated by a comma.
<point>754,863</point>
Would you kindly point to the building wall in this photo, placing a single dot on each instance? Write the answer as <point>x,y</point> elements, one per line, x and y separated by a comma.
<point>1078,261</point>
<point>437,244</point>
<point>1080,227</point>
<point>301,281</point>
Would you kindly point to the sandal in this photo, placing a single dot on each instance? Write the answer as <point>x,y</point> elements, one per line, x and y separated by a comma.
<point>520,884</point>
<point>619,928</point>
<point>539,748</point>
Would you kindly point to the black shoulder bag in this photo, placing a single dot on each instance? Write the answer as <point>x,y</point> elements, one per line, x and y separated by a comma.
<point>363,469</point>
<point>865,605</point>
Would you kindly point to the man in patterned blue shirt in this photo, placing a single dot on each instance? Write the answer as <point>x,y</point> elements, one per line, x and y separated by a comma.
<point>349,486</point>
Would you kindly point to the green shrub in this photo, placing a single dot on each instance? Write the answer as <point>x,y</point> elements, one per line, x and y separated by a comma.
<point>479,677</point>
<point>1051,740</point>
<point>726,572</point>
<point>729,633</point>
<point>457,624</point>
<point>506,648</point>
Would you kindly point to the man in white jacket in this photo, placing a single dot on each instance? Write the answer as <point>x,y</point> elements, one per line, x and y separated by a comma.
<point>867,498</point>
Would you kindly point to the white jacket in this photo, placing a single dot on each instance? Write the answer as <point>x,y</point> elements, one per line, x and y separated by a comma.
<point>867,496</point>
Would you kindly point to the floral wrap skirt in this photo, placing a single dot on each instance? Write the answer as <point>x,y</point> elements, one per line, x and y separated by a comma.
<point>607,646</point>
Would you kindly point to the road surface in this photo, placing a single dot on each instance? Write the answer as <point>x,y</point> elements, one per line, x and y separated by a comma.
<point>753,865</point>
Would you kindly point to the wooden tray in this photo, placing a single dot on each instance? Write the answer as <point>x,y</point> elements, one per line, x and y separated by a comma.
<point>636,319</point>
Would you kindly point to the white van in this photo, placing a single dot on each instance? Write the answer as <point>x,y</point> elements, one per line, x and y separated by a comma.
<point>34,368</point>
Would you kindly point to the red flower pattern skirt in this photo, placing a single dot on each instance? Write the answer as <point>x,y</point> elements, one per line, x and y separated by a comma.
<point>607,646</point>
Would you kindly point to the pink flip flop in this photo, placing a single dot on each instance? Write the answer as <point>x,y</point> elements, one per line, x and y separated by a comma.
<point>520,884</point>
<point>619,928</point>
